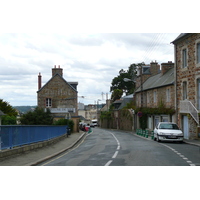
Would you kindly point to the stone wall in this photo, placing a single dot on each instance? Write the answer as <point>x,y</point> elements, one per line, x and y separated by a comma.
<point>61,93</point>
<point>189,74</point>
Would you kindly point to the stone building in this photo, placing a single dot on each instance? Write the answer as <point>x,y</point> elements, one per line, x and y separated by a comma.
<point>187,68</point>
<point>157,90</point>
<point>59,96</point>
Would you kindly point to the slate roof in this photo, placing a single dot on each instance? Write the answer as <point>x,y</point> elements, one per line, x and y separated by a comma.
<point>68,83</point>
<point>119,104</point>
<point>1,113</point>
<point>158,80</point>
<point>180,37</point>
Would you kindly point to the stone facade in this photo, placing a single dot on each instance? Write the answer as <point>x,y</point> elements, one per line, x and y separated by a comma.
<point>157,89</point>
<point>187,81</point>
<point>58,95</point>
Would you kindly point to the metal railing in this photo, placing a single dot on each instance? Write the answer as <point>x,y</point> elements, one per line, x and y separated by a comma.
<point>13,136</point>
<point>187,107</point>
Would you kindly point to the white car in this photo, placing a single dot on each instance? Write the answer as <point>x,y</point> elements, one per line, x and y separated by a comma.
<point>167,131</point>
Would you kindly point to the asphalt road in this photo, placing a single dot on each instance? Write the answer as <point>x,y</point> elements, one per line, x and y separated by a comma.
<point>119,148</point>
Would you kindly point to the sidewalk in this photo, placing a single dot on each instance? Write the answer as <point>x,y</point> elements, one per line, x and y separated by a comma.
<point>34,157</point>
<point>192,142</point>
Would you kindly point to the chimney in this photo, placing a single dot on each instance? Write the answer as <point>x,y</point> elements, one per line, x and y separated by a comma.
<point>154,68</point>
<point>166,66</point>
<point>39,81</point>
<point>57,71</point>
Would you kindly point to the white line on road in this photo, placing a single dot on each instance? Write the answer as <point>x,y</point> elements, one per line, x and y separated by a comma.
<point>116,152</point>
<point>115,155</point>
<point>179,154</point>
<point>108,163</point>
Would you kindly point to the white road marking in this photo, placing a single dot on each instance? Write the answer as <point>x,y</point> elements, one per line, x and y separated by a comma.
<point>115,155</point>
<point>108,163</point>
<point>179,154</point>
<point>116,152</point>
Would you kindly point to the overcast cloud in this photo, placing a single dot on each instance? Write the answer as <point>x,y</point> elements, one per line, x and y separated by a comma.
<point>92,60</point>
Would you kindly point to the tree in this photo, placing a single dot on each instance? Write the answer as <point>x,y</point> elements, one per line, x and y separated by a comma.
<point>7,109</point>
<point>116,94</point>
<point>68,122</point>
<point>37,117</point>
<point>119,83</point>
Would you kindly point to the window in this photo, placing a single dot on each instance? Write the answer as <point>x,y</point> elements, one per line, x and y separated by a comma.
<point>48,102</point>
<point>184,90</point>
<point>198,53</point>
<point>198,94</point>
<point>145,69</point>
<point>184,58</point>
<point>155,97</point>
<point>168,97</point>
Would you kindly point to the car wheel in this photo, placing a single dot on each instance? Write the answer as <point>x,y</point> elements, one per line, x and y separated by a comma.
<point>158,139</point>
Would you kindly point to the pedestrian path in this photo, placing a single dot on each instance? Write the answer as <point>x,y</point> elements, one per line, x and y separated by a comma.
<point>192,142</point>
<point>36,156</point>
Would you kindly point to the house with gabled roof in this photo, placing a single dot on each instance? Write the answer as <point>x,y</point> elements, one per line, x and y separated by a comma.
<point>58,95</point>
<point>156,91</point>
<point>187,69</point>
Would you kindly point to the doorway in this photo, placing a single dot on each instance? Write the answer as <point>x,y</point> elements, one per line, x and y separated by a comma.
<point>185,127</point>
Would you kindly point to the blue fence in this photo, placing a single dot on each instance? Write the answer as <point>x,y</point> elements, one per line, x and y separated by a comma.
<point>13,136</point>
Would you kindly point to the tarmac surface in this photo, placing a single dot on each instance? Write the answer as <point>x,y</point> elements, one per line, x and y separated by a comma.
<point>37,156</point>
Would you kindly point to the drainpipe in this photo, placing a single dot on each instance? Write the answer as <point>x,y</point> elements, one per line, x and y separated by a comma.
<point>176,101</point>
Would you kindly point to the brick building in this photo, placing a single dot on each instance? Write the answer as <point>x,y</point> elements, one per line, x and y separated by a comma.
<point>59,96</point>
<point>187,68</point>
<point>156,89</point>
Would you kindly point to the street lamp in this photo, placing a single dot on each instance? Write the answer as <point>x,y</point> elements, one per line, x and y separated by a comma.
<point>141,84</point>
<point>97,107</point>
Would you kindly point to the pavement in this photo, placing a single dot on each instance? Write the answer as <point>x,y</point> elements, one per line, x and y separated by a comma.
<point>34,157</point>
<point>195,142</point>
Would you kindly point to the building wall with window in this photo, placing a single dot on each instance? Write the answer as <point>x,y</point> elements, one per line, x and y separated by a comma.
<point>58,95</point>
<point>187,68</point>
<point>158,90</point>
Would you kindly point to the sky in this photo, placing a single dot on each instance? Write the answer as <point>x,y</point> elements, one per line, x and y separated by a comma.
<point>91,40</point>
<point>92,60</point>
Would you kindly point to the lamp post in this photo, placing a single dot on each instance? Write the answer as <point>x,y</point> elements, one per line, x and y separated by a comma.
<point>97,108</point>
<point>141,82</point>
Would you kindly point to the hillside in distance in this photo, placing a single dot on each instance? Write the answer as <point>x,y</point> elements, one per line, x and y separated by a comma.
<point>24,109</point>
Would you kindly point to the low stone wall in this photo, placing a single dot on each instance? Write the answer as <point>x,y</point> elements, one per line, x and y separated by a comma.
<point>18,150</point>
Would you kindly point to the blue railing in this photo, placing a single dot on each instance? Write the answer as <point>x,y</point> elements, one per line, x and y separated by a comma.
<point>13,136</point>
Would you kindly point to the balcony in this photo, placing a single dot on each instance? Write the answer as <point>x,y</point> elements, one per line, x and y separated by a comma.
<point>187,107</point>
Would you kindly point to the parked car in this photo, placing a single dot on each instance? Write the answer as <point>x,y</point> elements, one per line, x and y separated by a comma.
<point>167,131</point>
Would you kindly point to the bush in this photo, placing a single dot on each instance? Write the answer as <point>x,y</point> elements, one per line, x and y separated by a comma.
<point>37,117</point>
<point>68,122</point>
<point>8,120</point>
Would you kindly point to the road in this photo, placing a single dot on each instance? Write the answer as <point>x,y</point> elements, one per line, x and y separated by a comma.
<point>120,148</point>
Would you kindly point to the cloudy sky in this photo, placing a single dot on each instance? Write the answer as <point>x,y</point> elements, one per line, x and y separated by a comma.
<point>92,60</point>
<point>91,41</point>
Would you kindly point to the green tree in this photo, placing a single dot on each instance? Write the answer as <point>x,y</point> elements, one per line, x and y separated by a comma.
<point>8,120</point>
<point>116,94</point>
<point>37,117</point>
<point>7,109</point>
<point>68,122</point>
<point>119,83</point>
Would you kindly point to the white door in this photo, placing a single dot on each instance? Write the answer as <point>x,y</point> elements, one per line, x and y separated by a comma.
<point>185,127</point>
